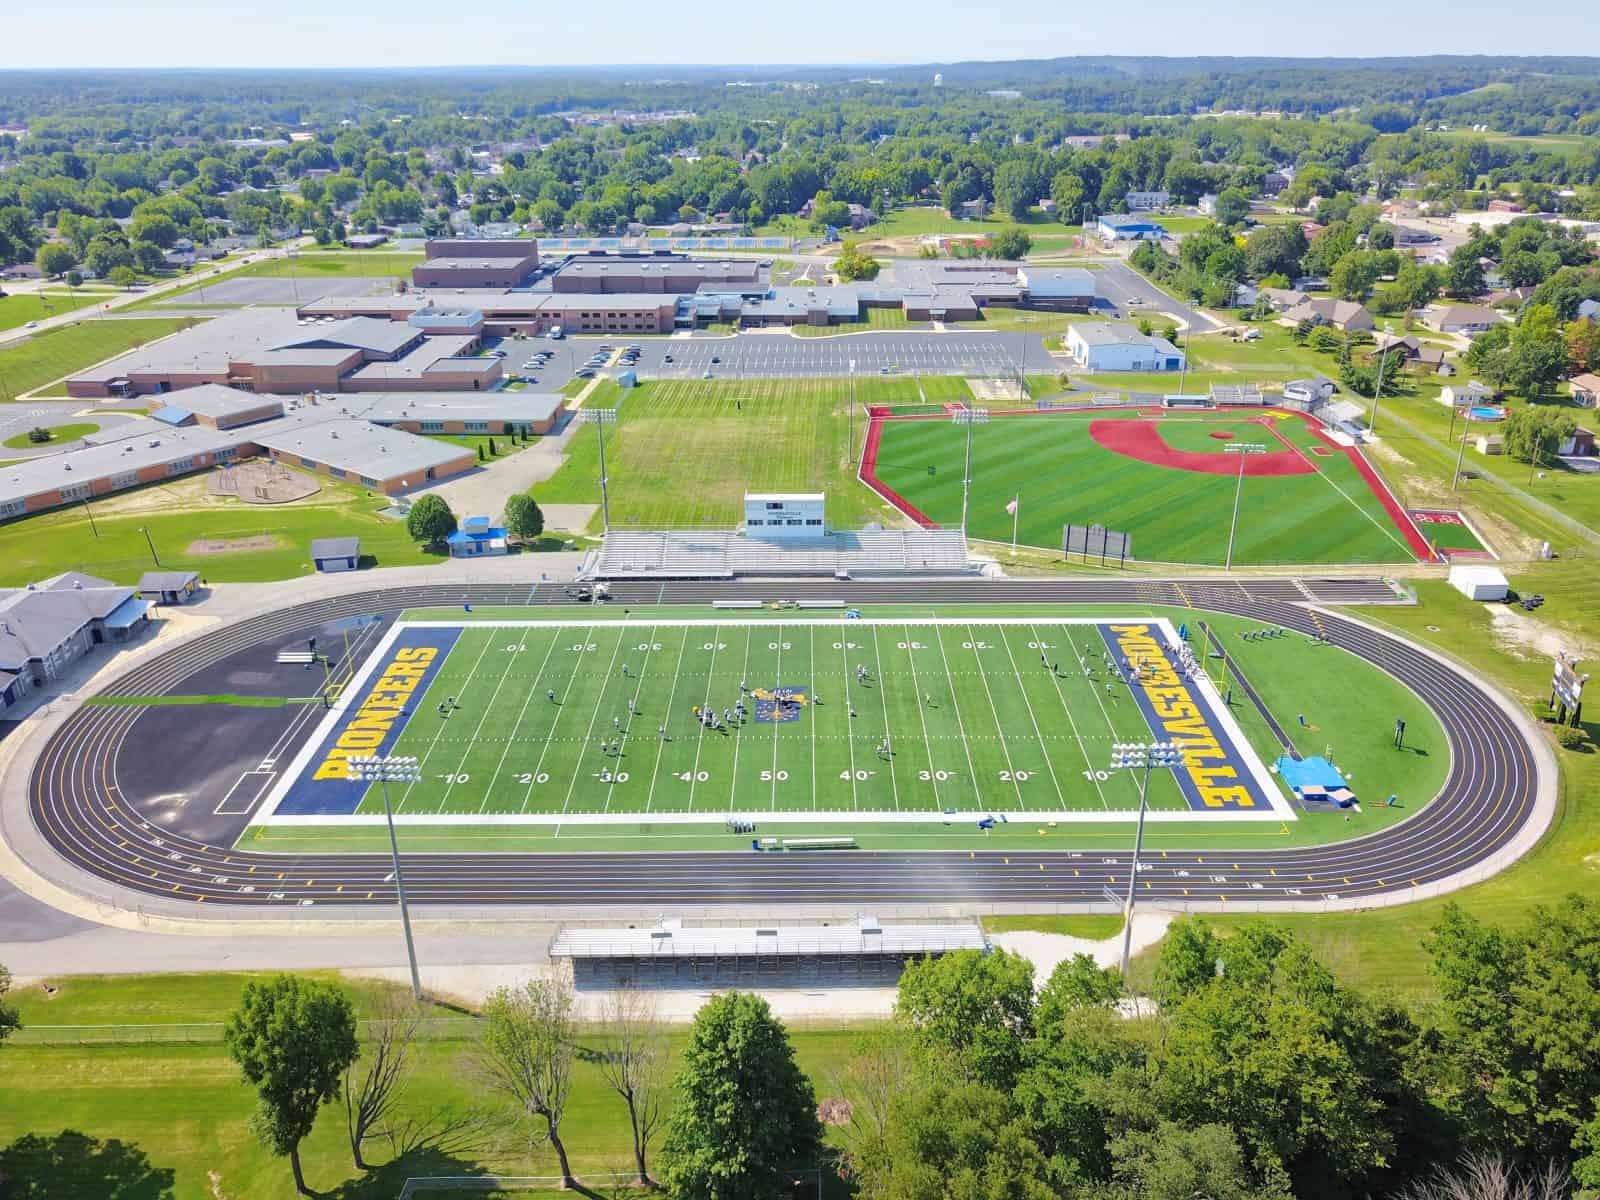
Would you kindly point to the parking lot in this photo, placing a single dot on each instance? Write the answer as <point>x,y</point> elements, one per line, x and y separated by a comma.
<point>780,356</point>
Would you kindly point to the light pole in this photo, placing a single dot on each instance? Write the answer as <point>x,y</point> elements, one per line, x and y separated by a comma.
<point>1243,450</point>
<point>382,769</point>
<point>1455,479</point>
<point>852,448</point>
<point>601,417</point>
<point>1183,372</point>
<point>1150,756</point>
<point>968,417</point>
<point>1377,390</point>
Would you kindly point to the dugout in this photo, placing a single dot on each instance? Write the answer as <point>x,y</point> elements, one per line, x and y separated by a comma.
<point>859,952</point>
<point>336,554</point>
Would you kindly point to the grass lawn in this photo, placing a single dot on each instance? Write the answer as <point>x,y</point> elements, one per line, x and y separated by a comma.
<point>377,264</point>
<point>1016,320</point>
<point>171,1118</point>
<point>35,306</point>
<point>58,434</point>
<point>877,318</point>
<point>1182,224</point>
<point>179,514</point>
<point>1382,949</point>
<point>1093,926</point>
<point>502,444</point>
<point>684,452</point>
<point>923,219</point>
<point>28,365</point>
<point>1063,474</point>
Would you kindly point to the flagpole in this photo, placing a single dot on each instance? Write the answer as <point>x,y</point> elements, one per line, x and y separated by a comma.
<point>1016,510</point>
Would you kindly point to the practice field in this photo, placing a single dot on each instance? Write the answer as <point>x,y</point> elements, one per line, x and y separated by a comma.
<point>1163,476</point>
<point>585,723</point>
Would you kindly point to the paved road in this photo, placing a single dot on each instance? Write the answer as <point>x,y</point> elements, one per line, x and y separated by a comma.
<point>1497,792</point>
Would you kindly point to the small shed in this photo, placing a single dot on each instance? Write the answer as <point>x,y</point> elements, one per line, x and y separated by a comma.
<point>477,538</point>
<point>336,554</point>
<point>1477,582</point>
<point>628,379</point>
<point>168,587</point>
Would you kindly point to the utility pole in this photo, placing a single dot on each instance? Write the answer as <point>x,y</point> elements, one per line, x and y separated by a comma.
<point>1377,390</point>
<point>1460,454</point>
<point>155,558</point>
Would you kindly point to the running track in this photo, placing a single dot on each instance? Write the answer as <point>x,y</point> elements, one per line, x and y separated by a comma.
<point>1487,800</point>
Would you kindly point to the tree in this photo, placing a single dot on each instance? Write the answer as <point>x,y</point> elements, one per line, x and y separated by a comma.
<point>10,1021</point>
<point>1233,205</point>
<point>1353,275</point>
<point>977,1009</point>
<point>1464,275</point>
<point>293,1039</point>
<point>529,1039</point>
<point>1176,1163</point>
<point>1015,188</point>
<point>1582,342</point>
<point>123,277</point>
<point>55,258</point>
<point>1012,242</point>
<point>963,1141</point>
<point>1538,353</point>
<point>430,520</point>
<point>523,516</point>
<point>633,1062</point>
<point>74,279</point>
<point>852,265</point>
<point>1066,189</point>
<point>745,1114</point>
<point>1533,433</point>
<point>370,1100</point>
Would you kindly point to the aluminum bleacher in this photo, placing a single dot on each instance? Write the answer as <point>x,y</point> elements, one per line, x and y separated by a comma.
<point>867,553</point>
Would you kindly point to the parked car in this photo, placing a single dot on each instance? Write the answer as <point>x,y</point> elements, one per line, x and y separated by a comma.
<point>583,373</point>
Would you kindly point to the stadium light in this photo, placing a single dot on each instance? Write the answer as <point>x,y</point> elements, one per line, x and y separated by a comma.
<point>384,769</point>
<point>1244,450</point>
<point>601,417</point>
<point>969,417</point>
<point>1134,756</point>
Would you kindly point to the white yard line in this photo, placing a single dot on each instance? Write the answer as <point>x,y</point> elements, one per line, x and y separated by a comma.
<point>916,686</point>
<point>972,772</point>
<point>550,737</point>
<point>633,705</point>
<point>588,733</point>
<point>711,671</point>
<point>434,742</point>
<point>1050,766</point>
<point>661,742</point>
<point>850,735</point>
<point>1088,759</point>
<point>488,708</point>
<point>983,675</point>
<point>523,712</point>
<point>738,730</point>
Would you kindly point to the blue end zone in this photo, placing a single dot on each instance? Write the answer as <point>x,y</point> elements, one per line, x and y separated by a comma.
<point>377,712</point>
<point>1215,777</point>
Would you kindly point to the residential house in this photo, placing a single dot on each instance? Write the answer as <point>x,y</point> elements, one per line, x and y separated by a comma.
<point>1465,319</point>
<point>1586,389</point>
<point>1464,395</point>
<point>1590,309</point>
<point>1413,349</point>
<point>1208,204</point>
<point>1341,314</point>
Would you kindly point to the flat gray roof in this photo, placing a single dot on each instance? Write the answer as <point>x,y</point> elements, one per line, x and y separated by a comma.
<point>207,349</point>
<point>335,547</point>
<point>215,400</point>
<point>155,446</point>
<point>415,362</point>
<point>1106,333</point>
<point>446,406</point>
<point>372,334</point>
<point>671,940</point>
<point>357,447</point>
<point>454,262</point>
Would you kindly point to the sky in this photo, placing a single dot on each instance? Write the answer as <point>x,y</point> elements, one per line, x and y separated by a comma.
<point>393,33</point>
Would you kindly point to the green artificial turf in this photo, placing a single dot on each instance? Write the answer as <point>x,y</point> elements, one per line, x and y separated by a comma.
<point>1062,475</point>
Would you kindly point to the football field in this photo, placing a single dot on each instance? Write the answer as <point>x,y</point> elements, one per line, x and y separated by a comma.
<point>584,723</point>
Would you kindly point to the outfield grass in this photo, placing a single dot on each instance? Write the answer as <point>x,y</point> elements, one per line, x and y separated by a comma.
<point>58,433</point>
<point>1182,224</point>
<point>1062,474</point>
<point>180,513</point>
<point>20,308</point>
<point>29,365</point>
<point>171,1118</point>
<point>685,452</point>
<point>1016,320</point>
<point>918,220</point>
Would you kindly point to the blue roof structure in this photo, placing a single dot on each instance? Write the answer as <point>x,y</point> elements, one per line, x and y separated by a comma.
<point>171,415</point>
<point>130,612</point>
